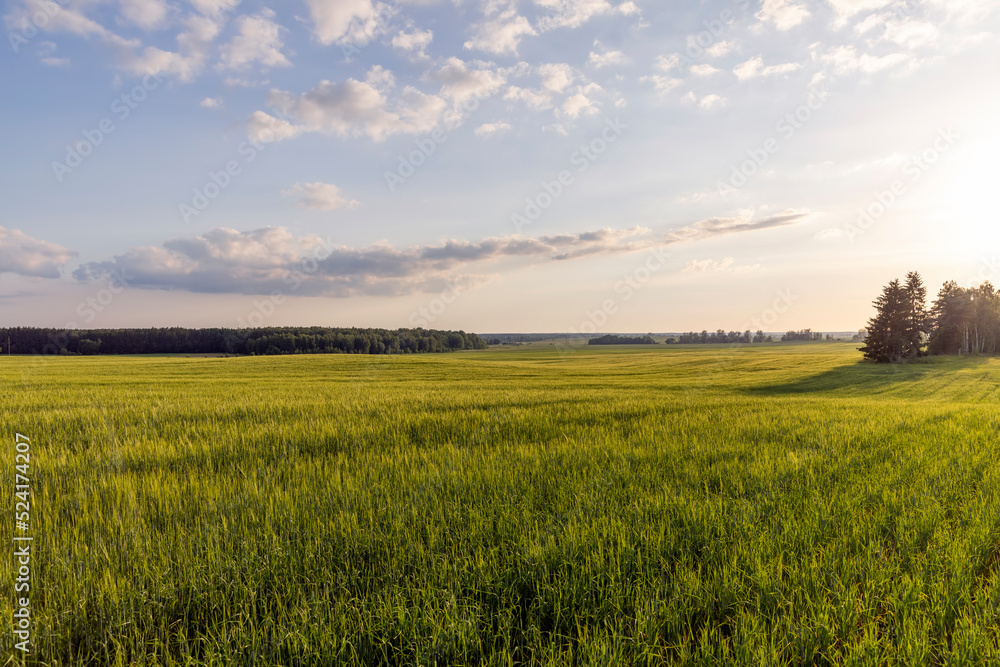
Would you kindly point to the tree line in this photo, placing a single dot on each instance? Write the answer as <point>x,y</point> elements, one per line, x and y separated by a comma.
<point>269,340</point>
<point>961,320</point>
<point>720,336</point>
<point>613,339</point>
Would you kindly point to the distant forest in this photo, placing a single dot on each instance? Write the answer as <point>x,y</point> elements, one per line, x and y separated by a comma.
<point>962,320</point>
<point>721,336</point>
<point>271,340</point>
<point>612,339</point>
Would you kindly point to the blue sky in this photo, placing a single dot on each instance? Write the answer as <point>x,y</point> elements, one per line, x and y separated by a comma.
<point>533,165</point>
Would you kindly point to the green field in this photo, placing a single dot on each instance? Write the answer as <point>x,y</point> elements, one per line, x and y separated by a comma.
<point>774,505</point>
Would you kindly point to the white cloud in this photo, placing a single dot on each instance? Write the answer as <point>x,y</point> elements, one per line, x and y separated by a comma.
<point>415,43</point>
<point>489,129</point>
<point>602,56</point>
<point>627,8</point>
<point>784,14</point>
<point>350,109</point>
<point>911,33</point>
<point>556,76</point>
<point>828,234</point>
<point>755,67</point>
<point>577,105</point>
<point>703,70</point>
<point>845,60</point>
<point>354,22</point>
<point>214,8</point>
<point>871,22</point>
<point>574,13</point>
<point>662,84</point>
<point>193,46</point>
<point>146,14</point>
<point>712,101</point>
<point>266,128</point>
<point>719,49</point>
<point>501,32</point>
<point>318,197</point>
<point>211,102</point>
<point>258,41</point>
<point>68,18</point>
<point>667,63</point>
<point>845,9</point>
<point>460,82</point>
<point>27,256</point>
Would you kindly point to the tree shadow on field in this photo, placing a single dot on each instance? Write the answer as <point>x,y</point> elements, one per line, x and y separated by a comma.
<point>867,377</point>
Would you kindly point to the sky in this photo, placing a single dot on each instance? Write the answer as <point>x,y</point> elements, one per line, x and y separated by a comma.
<point>495,166</point>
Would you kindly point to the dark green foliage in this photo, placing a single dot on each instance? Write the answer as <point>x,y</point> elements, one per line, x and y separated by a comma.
<point>897,330</point>
<point>804,334</point>
<point>270,340</point>
<point>612,339</point>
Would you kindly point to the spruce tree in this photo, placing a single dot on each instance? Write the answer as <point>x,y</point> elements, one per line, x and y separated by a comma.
<point>916,315</point>
<point>887,339</point>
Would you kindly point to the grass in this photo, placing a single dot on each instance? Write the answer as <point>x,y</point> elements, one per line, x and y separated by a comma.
<point>779,505</point>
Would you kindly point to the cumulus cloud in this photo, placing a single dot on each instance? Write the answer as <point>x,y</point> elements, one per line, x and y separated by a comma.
<point>211,102</point>
<point>318,197</point>
<point>354,22</point>
<point>661,83</point>
<point>784,14</point>
<point>146,14</point>
<point>27,256</point>
<point>489,129</point>
<point>574,13</point>
<point>719,49</point>
<point>258,40</point>
<point>214,8</point>
<point>501,31</point>
<point>414,43</point>
<point>603,56</point>
<point>910,33</point>
<point>194,44</point>
<point>755,67</point>
<point>712,101</point>
<point>350,109</point>
<point>845,9</point>
<point>460,81</point>
<point>845,60</point>
<point>703,70</point>
<point>577,105</point>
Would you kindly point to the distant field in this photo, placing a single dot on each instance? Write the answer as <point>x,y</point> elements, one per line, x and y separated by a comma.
<point>774,505</point>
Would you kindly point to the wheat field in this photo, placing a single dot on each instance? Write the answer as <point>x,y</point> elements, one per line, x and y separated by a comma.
<point>772,505</point>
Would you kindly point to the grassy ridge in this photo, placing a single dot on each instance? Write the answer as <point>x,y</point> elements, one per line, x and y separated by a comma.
<point>777,505</point>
